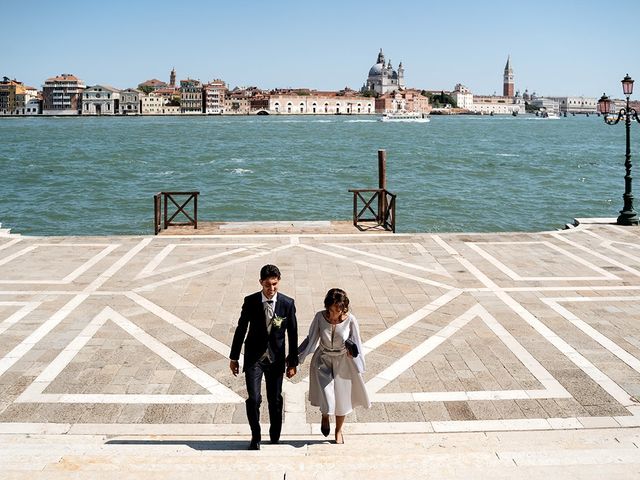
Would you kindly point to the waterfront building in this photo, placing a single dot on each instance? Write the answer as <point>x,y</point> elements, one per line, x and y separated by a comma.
<point>509,103</point>
<point>409,100</point>
<point>497,105</point>
<point>383,78</point>
<point>33,107</point>
<point>311,102</point>
<point>12,93</point>
<point>100,100</point>
<point>548,104</point>
<point>463,97</point>
<point>213,94</point>
<point>155,103</point>
<point>583,105</point>
<point>62,95</point>
<point>508,85</point>
<point>245,100</point>
<point>130,101</point>
<point>190,96</point>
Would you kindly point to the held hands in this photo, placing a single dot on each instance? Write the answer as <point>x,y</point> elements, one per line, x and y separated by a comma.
<point>235,367</point>
<point>291,371</point>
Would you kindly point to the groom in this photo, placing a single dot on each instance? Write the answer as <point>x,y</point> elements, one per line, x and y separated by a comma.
<point>268,315</point>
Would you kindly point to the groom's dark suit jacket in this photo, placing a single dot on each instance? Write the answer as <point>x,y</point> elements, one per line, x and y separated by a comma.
<point>252,318</point>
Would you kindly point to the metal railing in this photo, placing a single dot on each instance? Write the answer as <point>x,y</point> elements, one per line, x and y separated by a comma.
<point>379,210</point>
<point>161,218</point>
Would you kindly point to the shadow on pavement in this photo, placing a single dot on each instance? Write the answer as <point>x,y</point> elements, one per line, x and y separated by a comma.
<point>216,444</point>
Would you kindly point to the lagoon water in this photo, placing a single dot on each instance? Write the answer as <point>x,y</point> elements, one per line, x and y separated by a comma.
<point>89,176</point>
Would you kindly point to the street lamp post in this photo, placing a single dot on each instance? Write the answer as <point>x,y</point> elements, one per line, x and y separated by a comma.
<point>627,216</point>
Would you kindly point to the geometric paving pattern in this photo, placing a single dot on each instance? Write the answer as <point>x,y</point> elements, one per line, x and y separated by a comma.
<point>461,332</point>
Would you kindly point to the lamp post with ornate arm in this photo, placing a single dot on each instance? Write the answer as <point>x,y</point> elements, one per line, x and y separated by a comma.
<point>627,216</point>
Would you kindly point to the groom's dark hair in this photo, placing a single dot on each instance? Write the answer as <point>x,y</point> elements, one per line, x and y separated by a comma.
<point>269,271</point>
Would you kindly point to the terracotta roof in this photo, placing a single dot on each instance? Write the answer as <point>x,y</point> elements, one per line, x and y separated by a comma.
<point>65,77</point>
<point>154,82</point>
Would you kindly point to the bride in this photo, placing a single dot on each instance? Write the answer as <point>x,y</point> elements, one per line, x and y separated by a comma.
<point>335,373</point>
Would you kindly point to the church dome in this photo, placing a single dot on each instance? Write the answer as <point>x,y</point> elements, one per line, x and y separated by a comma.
<point>376,70</point>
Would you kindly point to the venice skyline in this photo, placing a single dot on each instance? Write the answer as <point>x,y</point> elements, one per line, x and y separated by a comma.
<point>291,45</point>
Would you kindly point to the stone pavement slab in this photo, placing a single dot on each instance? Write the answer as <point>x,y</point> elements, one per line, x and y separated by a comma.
<point>501,332</point>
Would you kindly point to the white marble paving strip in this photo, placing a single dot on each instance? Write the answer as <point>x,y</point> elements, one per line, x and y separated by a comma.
<point>609,245</point>
<point>181,325</point>
<point>113,269</point>
<point>87,265</point>
<point>159,258</point>
<point>152,267</point>
<point>410,320</point>
<point>597,255</point>
<point>26,345</point>
<point>33,393</point>
<point>448,248</point>
<point>240,429</point>
<point>585,365</point>
<point>392,372</point>
<point>180,363</point>
<point>378,267</point>
<point>18,254</point>
<point>10,243</point>
<point>538,371</point>
<point>196,273</point>
<point>27,308</point>
<point>552,388</point>
<point>584,288</point>
<point>438,271</point>
<point>572,354</point>
<point>516,277</point>
<point>611,346</point>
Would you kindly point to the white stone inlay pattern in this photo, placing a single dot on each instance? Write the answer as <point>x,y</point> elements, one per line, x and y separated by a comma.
<point>218,393</point>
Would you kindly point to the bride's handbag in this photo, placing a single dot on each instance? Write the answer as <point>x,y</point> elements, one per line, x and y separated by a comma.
<point>351,347</point>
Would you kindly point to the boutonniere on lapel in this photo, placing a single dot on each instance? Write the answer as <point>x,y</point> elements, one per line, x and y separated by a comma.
<point>277,321</point>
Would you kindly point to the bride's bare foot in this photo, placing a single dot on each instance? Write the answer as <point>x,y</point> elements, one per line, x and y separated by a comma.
<point>339,438</point>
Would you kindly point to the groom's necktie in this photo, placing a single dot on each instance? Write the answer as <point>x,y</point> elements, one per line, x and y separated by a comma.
<point>268,314</point>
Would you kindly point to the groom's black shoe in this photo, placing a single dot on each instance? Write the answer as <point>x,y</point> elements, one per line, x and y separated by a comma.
<point>275,440</point>
<point>254,444</point>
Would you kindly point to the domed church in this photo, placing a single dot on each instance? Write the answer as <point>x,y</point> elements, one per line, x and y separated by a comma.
<point>383,78</point>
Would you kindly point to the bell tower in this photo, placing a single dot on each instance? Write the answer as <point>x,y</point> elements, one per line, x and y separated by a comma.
<point>172,77</point>
<point>508,86</point>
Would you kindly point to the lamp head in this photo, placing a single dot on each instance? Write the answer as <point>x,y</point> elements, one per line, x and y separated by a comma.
<point>627,85</point>
<point>604,105</point>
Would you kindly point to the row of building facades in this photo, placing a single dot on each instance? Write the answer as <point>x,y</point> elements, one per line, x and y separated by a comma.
<point>384,90</point>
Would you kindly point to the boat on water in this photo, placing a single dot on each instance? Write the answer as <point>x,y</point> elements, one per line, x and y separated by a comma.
<point>404,116</point>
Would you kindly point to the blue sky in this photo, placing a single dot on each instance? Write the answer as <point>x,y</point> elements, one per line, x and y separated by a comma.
<point>556,47</point>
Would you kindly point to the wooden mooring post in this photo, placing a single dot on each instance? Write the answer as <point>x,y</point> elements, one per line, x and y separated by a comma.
<point>382,183</point>
<point>364,202</point>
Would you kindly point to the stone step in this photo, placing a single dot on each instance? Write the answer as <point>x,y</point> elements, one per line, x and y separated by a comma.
<point>587,454</point>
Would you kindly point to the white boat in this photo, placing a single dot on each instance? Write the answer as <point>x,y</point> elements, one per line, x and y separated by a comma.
<point>404,116</point>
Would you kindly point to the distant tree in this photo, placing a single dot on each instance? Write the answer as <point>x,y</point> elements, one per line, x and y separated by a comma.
<point>439,100</point>
<point>145,88</point>
<point>174,102</point>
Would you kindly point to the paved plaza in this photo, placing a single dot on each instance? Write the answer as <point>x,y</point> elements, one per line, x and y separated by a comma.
<point>515,353</point>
